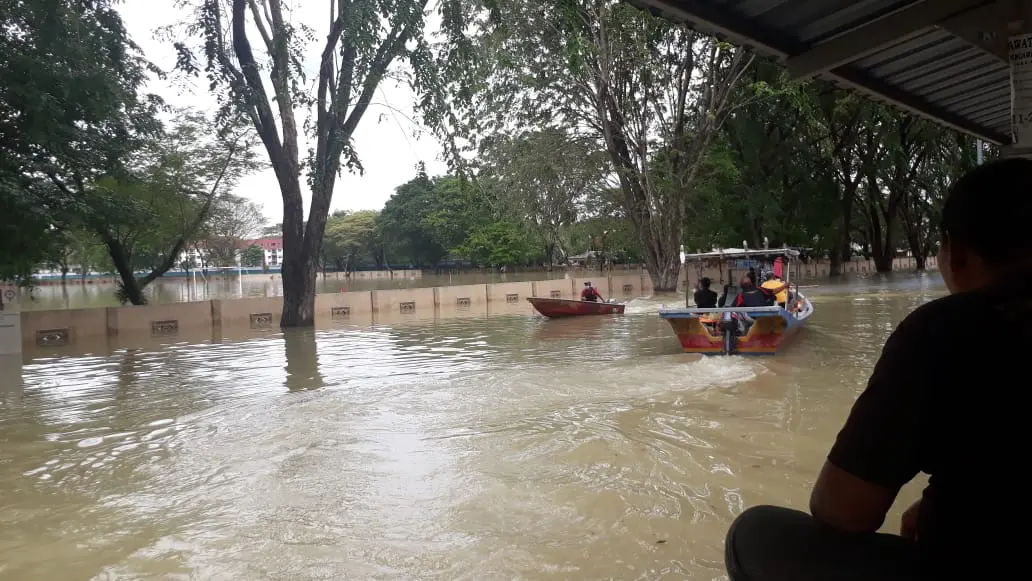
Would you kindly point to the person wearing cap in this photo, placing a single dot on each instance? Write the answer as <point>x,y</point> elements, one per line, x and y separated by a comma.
<point>939,401</point>
<point>590,293</point>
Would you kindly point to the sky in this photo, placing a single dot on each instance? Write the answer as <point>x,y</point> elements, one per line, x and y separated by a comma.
<point>384,139</point>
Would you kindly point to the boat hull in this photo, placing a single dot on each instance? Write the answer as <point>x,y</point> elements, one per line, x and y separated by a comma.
<point>772,329</point>
<point>559,308</point>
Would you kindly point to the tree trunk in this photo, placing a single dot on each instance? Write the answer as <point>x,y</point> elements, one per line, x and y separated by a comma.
<point>132,290</point>
<point>664,270</point>
<point>299,268</point>
<point>920,260</point>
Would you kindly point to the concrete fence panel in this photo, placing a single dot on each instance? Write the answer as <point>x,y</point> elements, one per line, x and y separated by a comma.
<point>159,320</point>
<point>462,296</point>
<point>412,301</point>
<point>555,289</point>
<point>61,328</point>
<point>343,306</point>
<point>256,313</point>
<point>626,287</point>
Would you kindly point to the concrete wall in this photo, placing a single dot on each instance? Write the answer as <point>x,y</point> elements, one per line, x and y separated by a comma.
<point>560,289</point>
<point>461,296</point>
<point>412,301</point>
<point>625,287</point>
<point>510,292</point>
<point>164,319</point>
<point>67,327</point>
<point>257,313</point>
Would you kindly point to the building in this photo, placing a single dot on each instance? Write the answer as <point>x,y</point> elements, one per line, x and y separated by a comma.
<point>273,248</point>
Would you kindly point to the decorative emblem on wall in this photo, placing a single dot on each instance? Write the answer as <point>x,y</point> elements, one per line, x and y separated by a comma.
<point>340,312</point>
<point>261,320</point>
<point>463,302</point>
<point>556,294</point>
<point>628,289</point>
<point>512,298</point>
<point>53,337</point>
<point>409,307</point>
<point>162,328</point>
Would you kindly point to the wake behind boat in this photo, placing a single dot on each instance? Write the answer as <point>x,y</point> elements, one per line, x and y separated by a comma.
<point>558,308</point>
<point>736,329</point>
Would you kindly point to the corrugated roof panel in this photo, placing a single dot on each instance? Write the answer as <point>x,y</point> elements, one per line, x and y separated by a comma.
<point>935,73</point>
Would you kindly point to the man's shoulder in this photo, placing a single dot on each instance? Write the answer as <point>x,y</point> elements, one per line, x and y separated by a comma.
<point>938,322</point>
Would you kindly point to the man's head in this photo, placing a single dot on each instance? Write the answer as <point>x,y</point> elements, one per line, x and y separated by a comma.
<point>705,282</point>
<point>746,282</point>
<point>768,276</point>
<point>982,228</point>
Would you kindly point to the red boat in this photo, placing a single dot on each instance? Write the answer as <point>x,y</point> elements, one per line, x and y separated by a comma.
<point>556,308</point>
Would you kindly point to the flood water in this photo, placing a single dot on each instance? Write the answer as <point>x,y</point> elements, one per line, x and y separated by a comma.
<point>475,448</point>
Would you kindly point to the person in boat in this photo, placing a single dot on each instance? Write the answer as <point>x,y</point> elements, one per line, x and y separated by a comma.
<point>722,301</point>
<point>590,294</point>
<point>755,296</point>
<point>776,288</point>
<point>704,297</point>
<point>918,414</point>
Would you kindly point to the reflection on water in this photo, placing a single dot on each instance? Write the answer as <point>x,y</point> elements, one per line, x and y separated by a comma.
<point>499,447</point>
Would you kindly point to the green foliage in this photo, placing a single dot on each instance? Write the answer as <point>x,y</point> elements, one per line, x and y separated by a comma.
<point>352,239</point>
<point>253,256</point>
<point>69,111</point>
<point>498,244</point>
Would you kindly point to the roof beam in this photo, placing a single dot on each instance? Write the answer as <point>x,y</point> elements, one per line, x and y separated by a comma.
<point>873,36</point>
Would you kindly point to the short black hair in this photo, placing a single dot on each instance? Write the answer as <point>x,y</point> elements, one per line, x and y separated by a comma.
<point>705,282</point>
<point>986,210</point>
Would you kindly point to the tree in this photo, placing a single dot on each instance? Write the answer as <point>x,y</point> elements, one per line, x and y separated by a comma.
<point>233,221</point>
<point>427,218</point>
<point>498,244</point>
<point>544,178</point>
<point>146,213</point>
<point>364,40</point>
<point>651,93</point>
<point>69,109</point>
<point>253,256</point>
<point>351,238</point>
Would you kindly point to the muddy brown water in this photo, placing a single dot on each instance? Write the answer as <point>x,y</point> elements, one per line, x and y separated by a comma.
<point>474,448</point>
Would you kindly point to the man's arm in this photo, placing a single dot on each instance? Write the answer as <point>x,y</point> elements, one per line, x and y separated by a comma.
<point>882,445</point>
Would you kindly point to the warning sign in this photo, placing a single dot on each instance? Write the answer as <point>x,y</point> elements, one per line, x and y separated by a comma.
<point>1021,89</point>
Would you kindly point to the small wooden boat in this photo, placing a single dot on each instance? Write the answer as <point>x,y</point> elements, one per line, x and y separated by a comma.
<point>744,331</point>
<point>557,308</point>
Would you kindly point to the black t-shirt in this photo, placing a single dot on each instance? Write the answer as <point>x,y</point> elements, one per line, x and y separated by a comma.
<point>944,400</point>
<point>706,299</point>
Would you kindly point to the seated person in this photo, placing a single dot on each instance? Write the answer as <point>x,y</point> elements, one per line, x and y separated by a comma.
<point>751,295</point>
<point>590,293</point>
<point>704,297</point>
<point>921,412</point>
<point>777,289</point>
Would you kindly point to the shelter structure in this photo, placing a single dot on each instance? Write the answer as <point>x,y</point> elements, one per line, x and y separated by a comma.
<point>966,64</point>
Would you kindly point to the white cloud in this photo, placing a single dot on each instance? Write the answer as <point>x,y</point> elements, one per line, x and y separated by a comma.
<point>384,139</point>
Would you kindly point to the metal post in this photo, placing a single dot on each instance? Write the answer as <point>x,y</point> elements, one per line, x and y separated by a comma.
<point>978,151</point>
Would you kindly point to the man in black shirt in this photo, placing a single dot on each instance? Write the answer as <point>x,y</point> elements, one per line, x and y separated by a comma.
<point>939,401</point>
<point>704,297</point>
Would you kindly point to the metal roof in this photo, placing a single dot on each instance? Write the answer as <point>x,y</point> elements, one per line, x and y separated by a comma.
<point>942,59</point>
